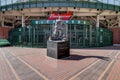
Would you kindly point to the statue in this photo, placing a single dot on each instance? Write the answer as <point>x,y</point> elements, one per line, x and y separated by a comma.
<point>59,30</point>
<point>58,44</point>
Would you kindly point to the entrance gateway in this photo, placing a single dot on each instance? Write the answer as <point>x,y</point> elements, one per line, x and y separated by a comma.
<point>100,13</point>
<point>80,34</point>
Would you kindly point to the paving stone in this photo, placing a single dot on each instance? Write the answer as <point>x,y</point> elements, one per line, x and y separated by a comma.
<point>62,69</point>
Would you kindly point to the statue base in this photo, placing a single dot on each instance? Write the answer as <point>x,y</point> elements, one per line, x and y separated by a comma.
<point>58,49</point>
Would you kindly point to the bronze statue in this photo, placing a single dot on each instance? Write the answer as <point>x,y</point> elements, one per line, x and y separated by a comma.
<point>59,30</point>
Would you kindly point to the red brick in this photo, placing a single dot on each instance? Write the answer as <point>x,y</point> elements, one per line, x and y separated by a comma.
<point>4,32</point>
<point>116,35</point>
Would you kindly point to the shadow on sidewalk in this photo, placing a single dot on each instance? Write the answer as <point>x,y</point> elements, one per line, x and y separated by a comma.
<point>80,57</point>
<point>101,48</point>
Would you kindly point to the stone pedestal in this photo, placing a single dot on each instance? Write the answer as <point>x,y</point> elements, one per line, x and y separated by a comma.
<point>58,49</point>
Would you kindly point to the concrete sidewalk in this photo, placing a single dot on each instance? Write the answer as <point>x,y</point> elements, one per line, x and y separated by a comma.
<point>83,64</point>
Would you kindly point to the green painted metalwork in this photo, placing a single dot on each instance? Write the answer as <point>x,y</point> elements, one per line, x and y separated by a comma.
<point>80,35</point>
<point>21,4</point>
<point>4,42</point>
<point>35,22</point>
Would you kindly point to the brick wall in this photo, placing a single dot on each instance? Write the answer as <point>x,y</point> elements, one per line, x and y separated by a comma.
<point>116,35</point>
<point>4,32</point>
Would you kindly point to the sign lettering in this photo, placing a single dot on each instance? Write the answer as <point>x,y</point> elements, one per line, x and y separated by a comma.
<point>65,16</point>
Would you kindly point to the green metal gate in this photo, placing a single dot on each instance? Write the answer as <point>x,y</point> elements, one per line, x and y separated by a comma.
<point>80,34</point>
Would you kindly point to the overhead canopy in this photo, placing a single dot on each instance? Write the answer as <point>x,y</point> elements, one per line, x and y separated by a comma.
<point>43,8</point>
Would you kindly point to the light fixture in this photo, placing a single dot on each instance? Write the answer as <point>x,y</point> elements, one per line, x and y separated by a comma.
<point>97,9</point>
<point>45,7</point>
<point>3,12</point>
<point>21,9</point>
<point>75,17</point>
<point>116,12</point>
<point>74,7</point>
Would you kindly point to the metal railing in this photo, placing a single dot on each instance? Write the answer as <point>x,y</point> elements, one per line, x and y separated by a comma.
<point>78,36</point>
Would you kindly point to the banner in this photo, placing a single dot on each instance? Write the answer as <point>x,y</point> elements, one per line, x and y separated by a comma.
<point>65,16</point>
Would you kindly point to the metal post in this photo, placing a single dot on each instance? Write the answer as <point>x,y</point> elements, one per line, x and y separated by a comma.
<point>13,24</point>
<point>3,25</point>
<point>23,20</point>
<point>97,30</point>
<point>67,32</point>
<point>90,35</point>
<point>108,25</point>
<point>29,31</point>
<point>84,30</point>
<point>37,34</point>
<point>34,38</point>
<point>70,35</point>
<point>23,29</point>
<point>98,22</point>
<point>118,21</point>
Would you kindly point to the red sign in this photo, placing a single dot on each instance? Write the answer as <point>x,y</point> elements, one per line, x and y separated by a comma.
<point>65,16</point>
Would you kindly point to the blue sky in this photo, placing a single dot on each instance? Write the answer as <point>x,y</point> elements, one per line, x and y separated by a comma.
<point>111,1</point>
<point>117,2</point>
